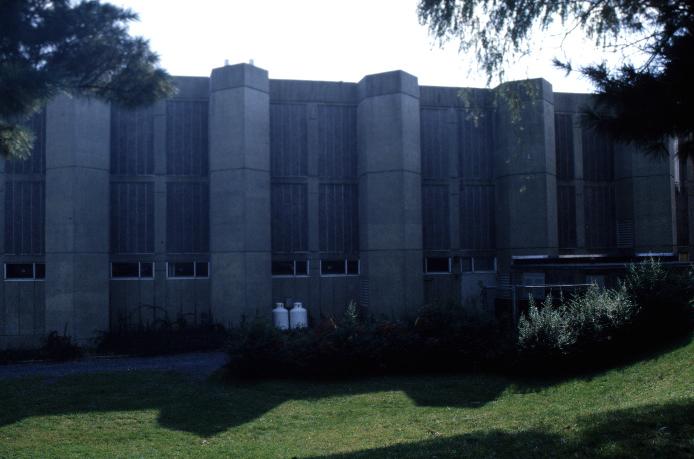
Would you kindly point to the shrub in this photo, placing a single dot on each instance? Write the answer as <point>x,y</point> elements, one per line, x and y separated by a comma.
<point>59,348</point>
<point>575,333</point>
<point>664,299</point>
<point>651,307</point>
<point>55,348</point>
<point>163,337</point>
<point>442,338</point>
<point>545,331</point>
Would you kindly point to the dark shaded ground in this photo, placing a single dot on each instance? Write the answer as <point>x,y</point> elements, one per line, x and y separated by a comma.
<point>172,384</point>
<point>218,405</point>
<point>200,365</point>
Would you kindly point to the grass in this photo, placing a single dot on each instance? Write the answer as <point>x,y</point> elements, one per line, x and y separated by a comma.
<point>645,409</point>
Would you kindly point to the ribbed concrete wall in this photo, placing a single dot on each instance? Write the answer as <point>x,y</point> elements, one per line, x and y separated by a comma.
<point>320,192</point>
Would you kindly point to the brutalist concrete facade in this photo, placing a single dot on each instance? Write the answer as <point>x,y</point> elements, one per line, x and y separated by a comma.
<point>242,191</point>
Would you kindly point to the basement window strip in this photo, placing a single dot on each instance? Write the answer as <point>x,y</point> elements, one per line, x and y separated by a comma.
<point>188,270</point>
<point>19,272</point>
<point>132,270</point>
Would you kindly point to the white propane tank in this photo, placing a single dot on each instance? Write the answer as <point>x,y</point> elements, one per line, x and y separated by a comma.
<point>280,316</point>
<point>298,316</point>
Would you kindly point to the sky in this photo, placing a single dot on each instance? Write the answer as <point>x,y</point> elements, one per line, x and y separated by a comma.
<point>331,40</point>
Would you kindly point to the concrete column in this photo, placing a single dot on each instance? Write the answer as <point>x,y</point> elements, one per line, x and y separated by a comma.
<point>77,217</point>
<point>525,169</point>
<point>390,202</point>
<point>239,122</point>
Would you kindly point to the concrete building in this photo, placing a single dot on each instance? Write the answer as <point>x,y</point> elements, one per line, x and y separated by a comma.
<point>242,190</point>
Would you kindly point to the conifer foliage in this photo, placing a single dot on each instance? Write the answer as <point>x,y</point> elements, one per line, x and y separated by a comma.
<point>78,47</point>
<point>640,103</point>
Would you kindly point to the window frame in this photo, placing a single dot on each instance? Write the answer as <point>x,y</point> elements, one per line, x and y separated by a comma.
<point>483,271</point>
<point>293,262</point>
<point>438,273</point>
<point>346,271</point>
<point>473,269</point>
<point>139,271</point>
<point>195,270</point>
<point>33,277</point>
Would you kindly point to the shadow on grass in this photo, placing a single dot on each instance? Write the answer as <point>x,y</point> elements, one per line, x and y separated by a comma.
<point>650,431</point>
<point>208,408</point>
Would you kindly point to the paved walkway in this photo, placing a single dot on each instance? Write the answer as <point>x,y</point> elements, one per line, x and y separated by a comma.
<point>198,365</point>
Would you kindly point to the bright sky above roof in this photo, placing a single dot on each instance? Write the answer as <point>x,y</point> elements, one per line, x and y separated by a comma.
<point>334,40</point>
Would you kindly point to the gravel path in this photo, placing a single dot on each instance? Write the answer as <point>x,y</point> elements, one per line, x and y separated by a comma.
<point>199,365</point>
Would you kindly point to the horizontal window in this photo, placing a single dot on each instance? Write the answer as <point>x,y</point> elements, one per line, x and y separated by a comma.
<point>202,269</point>
<point>478,264</point>
<point>437,265</point>
<point>188,270</point>
<point>132,270</point>
<point>466,264</point>
<point>290,268</point>
<point>25,271</point>
<point>353,267</point>
<point>484,264</point>
<point>339,267</point>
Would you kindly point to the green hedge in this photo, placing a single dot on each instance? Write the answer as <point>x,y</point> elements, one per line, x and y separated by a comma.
<point>652,305</point>
<point>583,332</point>
<point>443,338</point>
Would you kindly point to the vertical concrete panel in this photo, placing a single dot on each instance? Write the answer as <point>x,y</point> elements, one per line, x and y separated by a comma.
<point>159,295</point>
<point>525,169</point>
<point>578,180</point>
<point>27,297</point>
<point>3,304</point>
<point>77,213</point>
<point>688,173</point>
<point>241,285</point>
<point>390,187</point>
<point>12,305</point>
<point>654,203</point>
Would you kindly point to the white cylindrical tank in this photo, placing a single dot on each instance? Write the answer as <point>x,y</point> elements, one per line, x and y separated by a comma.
<point>280,316</point>
<point>298,316</point>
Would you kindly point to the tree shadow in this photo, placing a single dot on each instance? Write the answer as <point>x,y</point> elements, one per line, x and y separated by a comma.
<point>207,408</point>
<point>649,431</point>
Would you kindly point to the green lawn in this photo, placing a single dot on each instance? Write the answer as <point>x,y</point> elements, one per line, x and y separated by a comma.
<point>645,409</point>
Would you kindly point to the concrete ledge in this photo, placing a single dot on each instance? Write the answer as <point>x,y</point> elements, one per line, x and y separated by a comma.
<point>239,75</point>
<point>382,84</point>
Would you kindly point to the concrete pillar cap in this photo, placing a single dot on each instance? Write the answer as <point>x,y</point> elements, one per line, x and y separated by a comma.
<point>239,75</point>
<point>395,82</point>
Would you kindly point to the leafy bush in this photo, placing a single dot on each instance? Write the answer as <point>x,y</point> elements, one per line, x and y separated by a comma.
<point>55,348</point>
<point>569,334</point>
<point>442,338</point>
<point>600,326</point>
<point>59,348</point>
<point>664,299</point>
<point>163,337</point>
